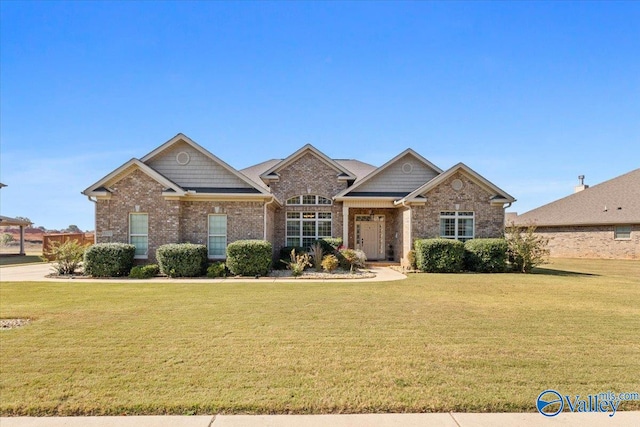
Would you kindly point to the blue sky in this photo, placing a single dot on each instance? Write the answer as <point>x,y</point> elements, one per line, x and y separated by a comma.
<point>528,94</point>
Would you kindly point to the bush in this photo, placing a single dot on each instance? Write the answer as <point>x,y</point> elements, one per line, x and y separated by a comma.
<point>66,256</point>
<point>485,255</point>
<point>526,249</point>
<point>439,255</point>
<point>355,258</point>
<point>217,269</point>
<point>285,253</point>
<point>249,257</point>
<point>330,263</point>
<point>182,259</point>
<point>109,259</point>
<point>144,271</point>
<point>411,257</point>
<point>330,244</point>
<point>298,263</point>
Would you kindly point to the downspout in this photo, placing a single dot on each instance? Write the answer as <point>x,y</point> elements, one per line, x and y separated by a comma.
<point>95,219</point>
<point>273,199</point>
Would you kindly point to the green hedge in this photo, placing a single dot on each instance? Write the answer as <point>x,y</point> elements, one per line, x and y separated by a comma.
<point>439,255</point>
<point>217,269</point>
<point>109,259</point>
<point>486,255</point>
<point>144,271</point>
<point>249,257</point>
<point>182,259</point>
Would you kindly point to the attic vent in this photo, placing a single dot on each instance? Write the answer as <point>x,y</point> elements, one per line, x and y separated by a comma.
<point>407,168</point>
<point>183,158</point>
<point>457,184</point>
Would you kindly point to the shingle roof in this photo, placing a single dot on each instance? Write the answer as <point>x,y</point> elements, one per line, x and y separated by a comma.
<point>616,201</point>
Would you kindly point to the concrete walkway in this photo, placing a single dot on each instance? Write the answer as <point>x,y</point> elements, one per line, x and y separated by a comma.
<point>38,273</point>
<point>353,420</point>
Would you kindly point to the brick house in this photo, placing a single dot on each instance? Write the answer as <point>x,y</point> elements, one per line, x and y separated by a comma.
<point>602,221</point>
<point>180,192</point>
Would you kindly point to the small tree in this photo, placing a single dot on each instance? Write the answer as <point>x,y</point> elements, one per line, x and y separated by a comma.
<point>526,249</point>
<point>6,238</point>
<point>66,256</point>
<point>73,229</point>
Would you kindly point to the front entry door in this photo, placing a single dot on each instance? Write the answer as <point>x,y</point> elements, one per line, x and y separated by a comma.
<point>369,239</point>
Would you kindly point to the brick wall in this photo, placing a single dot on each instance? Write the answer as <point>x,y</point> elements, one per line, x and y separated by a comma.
<point>591,242</point>
<point>489,220</point>
<point>138,190</point>
<point>307,175</point>
<point>245,220</point>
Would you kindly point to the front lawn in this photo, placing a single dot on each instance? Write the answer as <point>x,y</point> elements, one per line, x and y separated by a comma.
<point>450,342</point>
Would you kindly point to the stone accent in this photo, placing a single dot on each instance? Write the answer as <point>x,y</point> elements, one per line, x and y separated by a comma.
<point>595,241</point>
<point>489,220</point>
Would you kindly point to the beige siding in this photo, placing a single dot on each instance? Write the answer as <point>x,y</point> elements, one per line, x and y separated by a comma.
<point>393,178</point>
<point>201,171</point>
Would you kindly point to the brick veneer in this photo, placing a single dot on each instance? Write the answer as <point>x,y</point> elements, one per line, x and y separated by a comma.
<point>591,242</point>
<point>489,220</point>
<point>138,190</point>
<point>306,175</point>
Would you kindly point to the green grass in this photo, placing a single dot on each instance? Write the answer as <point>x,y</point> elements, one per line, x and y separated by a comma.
<point>465,342</point>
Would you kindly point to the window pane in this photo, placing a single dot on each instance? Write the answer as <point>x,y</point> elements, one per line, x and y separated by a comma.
<point>447,227</point>
<point>294,200</point>
<point>324,215</point>
<point>324,229</point>
<point>308,241</point>
<point>139,223</point>
<point>293,228</point>
<point>308,200</point>
<point>323,201</point>
<point>309,228</point>
<point>309,215</point>
<point>217,246</point>
<point>141,243</point>
<point>465,227</point>
<point>218,225</point>
<point>293,241</point>
<point>623,232</point>
<point>292,215</point>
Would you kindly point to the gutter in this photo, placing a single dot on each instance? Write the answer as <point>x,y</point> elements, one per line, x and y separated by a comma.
<point>273,199</point>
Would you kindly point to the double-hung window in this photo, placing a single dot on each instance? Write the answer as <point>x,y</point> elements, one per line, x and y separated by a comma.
<point>457,225</point>
<point>139,234</point>
<point>622,232</point>
<point>217,236</point>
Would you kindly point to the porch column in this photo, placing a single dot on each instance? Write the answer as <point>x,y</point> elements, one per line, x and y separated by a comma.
<point>22,240</point>
<point>345,226</point>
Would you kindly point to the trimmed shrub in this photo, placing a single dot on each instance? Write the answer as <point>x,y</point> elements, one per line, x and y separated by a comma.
<point>249,257</point>
<point>411,256</point>
<point>144,271</point>
<point>217,269</point>
<point>330,244</point>
<point>486,255</point>
<point>109,259</point>
<point>182,259</point>
<point>439,255</point>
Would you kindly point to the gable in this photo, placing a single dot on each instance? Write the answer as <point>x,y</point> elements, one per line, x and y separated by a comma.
<point>403,176</point>
<point>308,150</point>
<point>191,168</point>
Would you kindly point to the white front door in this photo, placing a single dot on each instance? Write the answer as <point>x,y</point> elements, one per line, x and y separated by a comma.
<point>369,239</point>
<point>370,235</point>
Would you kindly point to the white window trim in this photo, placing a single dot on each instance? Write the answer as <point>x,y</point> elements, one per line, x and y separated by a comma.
<point>300,221</point>
<point>209,235</point>
<point>316,203</point>
<point>146,255</point>
<point>456,217</point>
<point>615,232</point>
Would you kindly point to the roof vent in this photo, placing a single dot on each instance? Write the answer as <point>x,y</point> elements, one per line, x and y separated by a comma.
<point>581,186</point>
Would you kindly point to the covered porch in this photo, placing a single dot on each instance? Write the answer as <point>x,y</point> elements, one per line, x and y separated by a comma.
<point>379,228</point>
<point>5,221</point>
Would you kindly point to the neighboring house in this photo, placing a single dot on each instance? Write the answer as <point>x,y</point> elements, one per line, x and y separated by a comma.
<point>602,221</point>
<point>181,192</point>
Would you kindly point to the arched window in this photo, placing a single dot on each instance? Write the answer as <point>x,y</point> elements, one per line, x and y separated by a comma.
<point>308,200</point>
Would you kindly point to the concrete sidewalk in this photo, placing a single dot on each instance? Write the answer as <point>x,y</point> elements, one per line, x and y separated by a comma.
<point>352,420</point>
<point>38,273</point>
